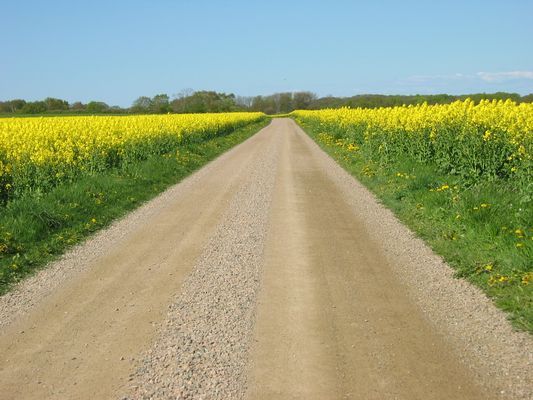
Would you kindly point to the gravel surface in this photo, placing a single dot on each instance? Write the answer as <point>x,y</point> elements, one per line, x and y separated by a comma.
<point>202,347</point>
<point>480,333</point>
<point>202,350</point>
<point>24,296</point>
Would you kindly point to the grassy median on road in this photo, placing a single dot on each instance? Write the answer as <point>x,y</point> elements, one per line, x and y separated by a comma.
<point>478,229</point>
<point>36,229</point>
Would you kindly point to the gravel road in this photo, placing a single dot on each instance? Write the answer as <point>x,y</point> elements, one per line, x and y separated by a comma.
<point>268,274</point>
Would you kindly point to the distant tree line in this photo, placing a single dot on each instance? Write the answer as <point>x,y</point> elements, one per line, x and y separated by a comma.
<point>189,101</point>
<point>51,105</point>
<point>377,100</point>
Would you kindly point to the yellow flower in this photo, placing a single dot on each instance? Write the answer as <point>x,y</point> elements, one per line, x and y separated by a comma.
<point>352,147</point>
<point>58,148</point>
<point>430,131</point>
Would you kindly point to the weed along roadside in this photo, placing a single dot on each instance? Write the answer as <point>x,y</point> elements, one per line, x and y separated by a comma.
<point>474,209</point>
<point>40,223</point>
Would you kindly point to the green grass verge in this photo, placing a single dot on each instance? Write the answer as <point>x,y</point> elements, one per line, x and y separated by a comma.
<point>36,229</point>
<point>484,231</point>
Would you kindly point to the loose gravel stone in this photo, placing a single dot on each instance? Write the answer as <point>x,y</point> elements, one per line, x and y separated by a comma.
<point>202,349</point>
<point>24,296</point>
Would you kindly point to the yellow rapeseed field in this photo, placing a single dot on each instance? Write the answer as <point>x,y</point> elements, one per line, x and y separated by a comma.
<point>37,153</point>
<point>493,139</point>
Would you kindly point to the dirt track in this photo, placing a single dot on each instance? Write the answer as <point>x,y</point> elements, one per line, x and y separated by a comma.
<point>258,277</point>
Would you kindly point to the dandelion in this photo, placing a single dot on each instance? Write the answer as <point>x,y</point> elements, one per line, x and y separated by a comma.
<point>352,147</point>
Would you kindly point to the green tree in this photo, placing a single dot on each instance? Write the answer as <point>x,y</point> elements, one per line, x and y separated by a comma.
<point>203,102</point>
<point>13,106</point>
<point>34,107</point>
<point>303,100</point>
<point>142,104</point>
<point>53,104</point>
<point>78,106</point>
<point>97,107</point>
<point>160,104</point>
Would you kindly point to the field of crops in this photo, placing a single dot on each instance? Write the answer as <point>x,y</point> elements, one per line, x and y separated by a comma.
<point>460,175</point>
<point>477,142</point>
<point>63,178</point>
<point>38,153</point>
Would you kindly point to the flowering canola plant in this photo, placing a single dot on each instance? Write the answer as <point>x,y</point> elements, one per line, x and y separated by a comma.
<point>38,153</point>
<point>493,139</point>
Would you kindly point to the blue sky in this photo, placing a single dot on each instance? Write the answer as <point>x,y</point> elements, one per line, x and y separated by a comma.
<point>115,51</point>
